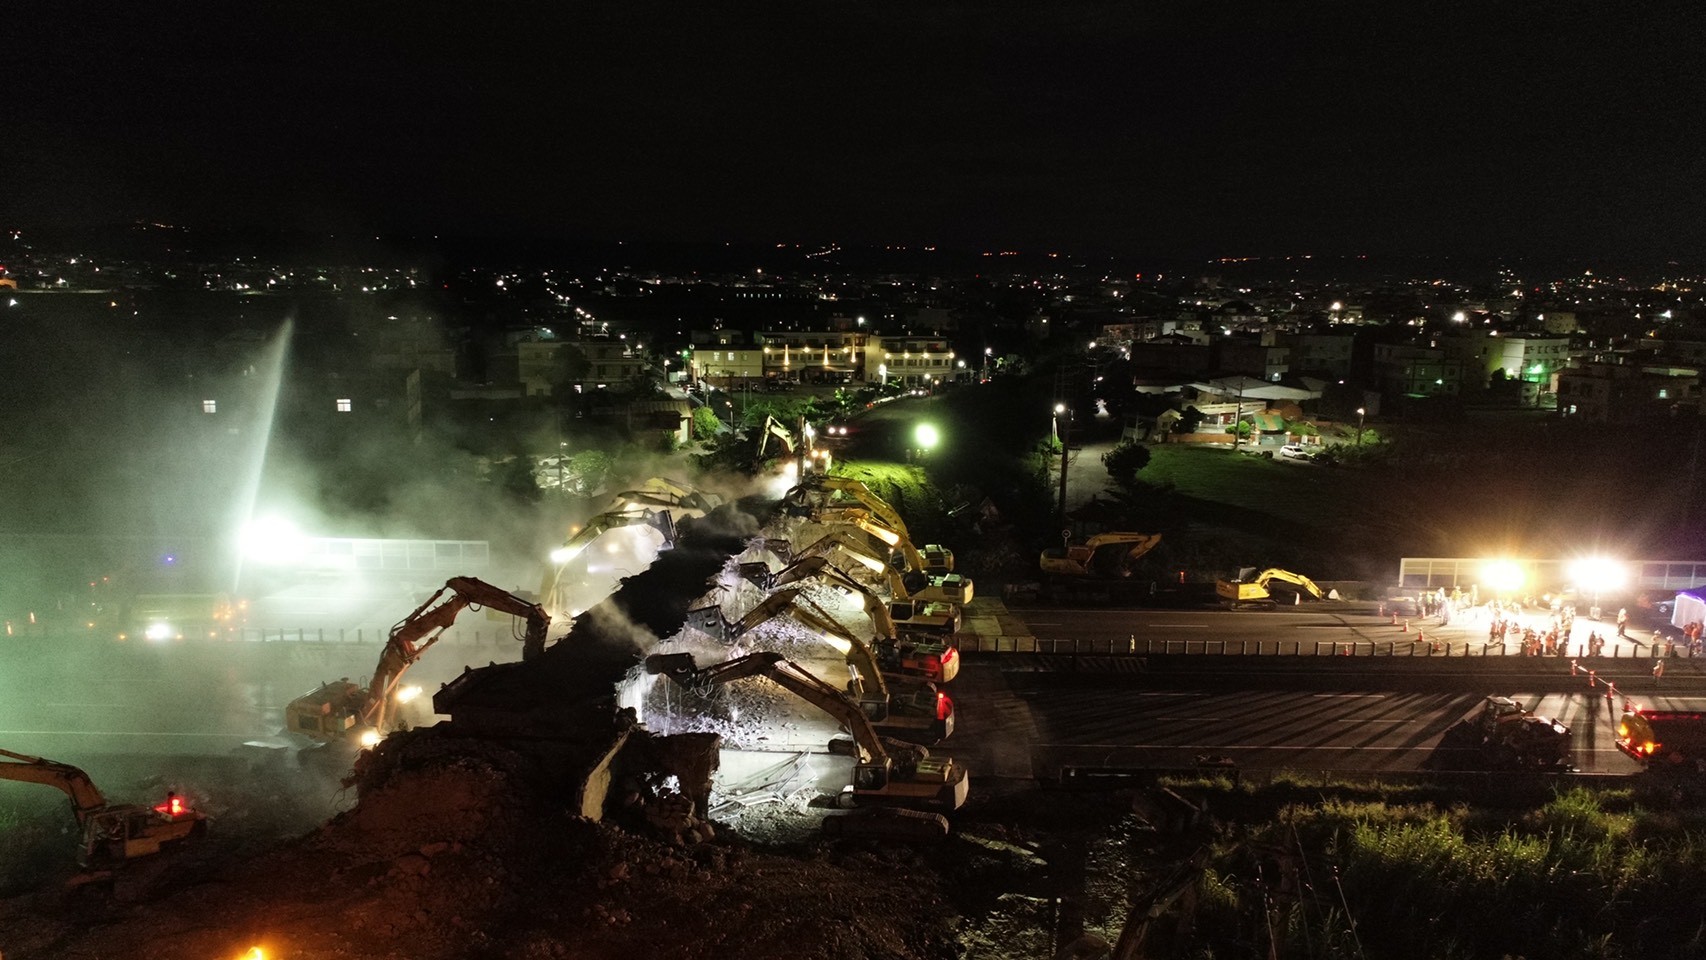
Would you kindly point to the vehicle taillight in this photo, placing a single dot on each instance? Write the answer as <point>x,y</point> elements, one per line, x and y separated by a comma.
<point>944,706</point>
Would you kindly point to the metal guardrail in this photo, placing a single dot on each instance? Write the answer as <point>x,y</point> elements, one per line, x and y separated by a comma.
<point>969,643</point>
<point>307,635</point>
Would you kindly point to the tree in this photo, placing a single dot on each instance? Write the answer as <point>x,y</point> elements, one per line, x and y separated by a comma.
<point>1124,461</point>
<point>706,423</point>
<point>514,476</point>
<point>1189,421</point>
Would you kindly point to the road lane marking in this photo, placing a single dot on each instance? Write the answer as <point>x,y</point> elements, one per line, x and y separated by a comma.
<point>121,733</point>
<point>1199,719</point>
<point>1178,626</point>
<point>1351,696</point>
<point>1225,746</point>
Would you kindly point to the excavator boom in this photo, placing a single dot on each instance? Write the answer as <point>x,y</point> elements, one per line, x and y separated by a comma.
<point>906,773</point>
<point>334,710</point>
<point>72,781</point>
<point>1255,592</point>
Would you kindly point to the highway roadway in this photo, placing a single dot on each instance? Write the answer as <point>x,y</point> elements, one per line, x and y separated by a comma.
<point>1324,626</point>
<point>83,700</point>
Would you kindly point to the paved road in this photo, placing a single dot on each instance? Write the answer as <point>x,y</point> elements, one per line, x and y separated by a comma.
<point>1024,724</point>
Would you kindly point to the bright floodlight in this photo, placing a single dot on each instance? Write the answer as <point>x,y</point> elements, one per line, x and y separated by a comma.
<point>408,693</point>
<point>563,555</point>
<point>1598,573</point>
<point>1060,408</point>
<point>158,630</point>
<point>926,435</point>
<point>1503,575</point>
<point>369,738</point>
<point>274,541</point>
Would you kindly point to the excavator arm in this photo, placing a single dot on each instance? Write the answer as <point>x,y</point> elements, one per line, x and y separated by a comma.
<point>1295,579</point>
<point>86,798</point>
<point>328,712</point>
<point>660,520</point>
<point>790,676</point>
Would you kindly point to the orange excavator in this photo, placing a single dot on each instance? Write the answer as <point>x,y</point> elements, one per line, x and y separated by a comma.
<point>112,832</point>
<point>340,711</point>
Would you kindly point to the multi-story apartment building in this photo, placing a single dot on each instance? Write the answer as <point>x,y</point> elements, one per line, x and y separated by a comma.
<point>914,361</point>
<point>1265,357</point>
<point>1406,369</point>
<point>541,364</point>
<point>1625,393</point>
<point>815,355</point>
<point>1323,354</point>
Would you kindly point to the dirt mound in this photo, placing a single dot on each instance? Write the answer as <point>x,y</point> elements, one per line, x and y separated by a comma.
<point>452,853</point>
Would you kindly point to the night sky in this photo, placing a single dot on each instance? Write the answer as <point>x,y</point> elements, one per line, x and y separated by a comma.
<point>1153,128</point>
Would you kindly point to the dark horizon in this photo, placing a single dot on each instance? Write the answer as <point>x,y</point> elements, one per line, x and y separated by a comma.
<point>1191,131</point>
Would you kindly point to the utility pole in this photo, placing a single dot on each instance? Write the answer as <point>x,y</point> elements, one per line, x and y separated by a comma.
<point>1238,415</point>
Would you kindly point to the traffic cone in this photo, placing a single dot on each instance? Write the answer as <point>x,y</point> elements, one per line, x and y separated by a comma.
<point>1406,627</point>
<point>1421,636</point>
<point>1394,618</point>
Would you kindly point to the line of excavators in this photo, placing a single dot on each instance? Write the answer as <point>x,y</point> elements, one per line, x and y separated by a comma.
<point>893,704</point>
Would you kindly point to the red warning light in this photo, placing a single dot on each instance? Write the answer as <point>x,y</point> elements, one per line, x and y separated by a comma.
<point>944,706</point>
<point>173,807</point>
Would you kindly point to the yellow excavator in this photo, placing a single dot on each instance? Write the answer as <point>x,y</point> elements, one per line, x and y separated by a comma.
<point>681,500</point>
<point>1255,591</point>
<point>933,559</point>
<point>844,545</point>
<point>554,591</point>
<point>342,711</point>
<point>112,832</point>
<point>1106,555</point>
<point>912,636</point>
<point>902,702</point>
<point>885,771</point>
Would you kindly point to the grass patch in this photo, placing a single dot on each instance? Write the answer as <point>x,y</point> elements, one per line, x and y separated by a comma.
<point>1364,871</point>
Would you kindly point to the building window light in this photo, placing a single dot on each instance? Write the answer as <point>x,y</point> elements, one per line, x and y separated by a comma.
<point>344,405</point>
<point>210,406</point>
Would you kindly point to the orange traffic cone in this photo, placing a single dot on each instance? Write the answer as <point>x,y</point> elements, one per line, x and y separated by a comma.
<point>1406,627</point>
<point>1421,636</point>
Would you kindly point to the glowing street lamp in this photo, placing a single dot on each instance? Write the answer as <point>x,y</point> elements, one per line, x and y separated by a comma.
<point>1597,575</point>
<point>1360,413</point>
<point>1504,576</point>
<point>926,436</point>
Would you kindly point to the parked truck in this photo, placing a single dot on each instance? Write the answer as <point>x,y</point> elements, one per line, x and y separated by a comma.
<point>1512,737</point>
<point>1674,739</point>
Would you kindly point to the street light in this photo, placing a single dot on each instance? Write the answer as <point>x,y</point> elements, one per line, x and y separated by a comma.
<point>1360,413</point>
<point>1063,430</point>
<point>926,436</point>
<point>1598,575</point>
